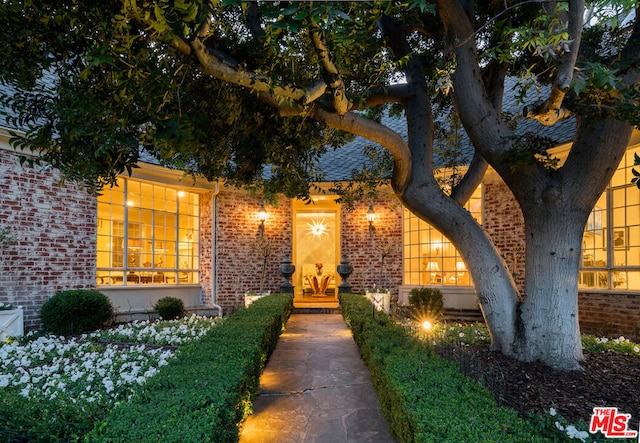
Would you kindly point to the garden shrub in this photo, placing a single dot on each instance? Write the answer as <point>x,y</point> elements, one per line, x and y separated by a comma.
<point>208,389</point>
<point>426,303</point>
<point>169,308</point>
<point>426,398</point>
<point>76,311</point>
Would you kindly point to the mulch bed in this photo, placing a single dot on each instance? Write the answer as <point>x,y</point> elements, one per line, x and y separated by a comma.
<point>609,379</point>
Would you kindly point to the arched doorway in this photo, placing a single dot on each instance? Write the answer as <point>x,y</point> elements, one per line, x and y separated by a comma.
<point>316,251</point>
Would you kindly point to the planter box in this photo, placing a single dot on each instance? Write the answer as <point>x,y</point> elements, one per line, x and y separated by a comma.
<point>11,323</point>
<point>248,299</point>
<point>381,300</point>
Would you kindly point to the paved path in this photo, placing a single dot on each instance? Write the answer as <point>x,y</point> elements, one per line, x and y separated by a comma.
<point>315,388</point>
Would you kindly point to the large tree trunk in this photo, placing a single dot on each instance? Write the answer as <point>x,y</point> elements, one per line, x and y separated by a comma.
<point>549,330</point>
<point>494,285</point>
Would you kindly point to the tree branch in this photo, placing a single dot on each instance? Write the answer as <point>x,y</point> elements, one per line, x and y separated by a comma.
<point>358,125</point>
<point>551,111</point>
<point>397,93</point>
<point>216,67</point>
<point>339,99</point>
<point>376,132</point>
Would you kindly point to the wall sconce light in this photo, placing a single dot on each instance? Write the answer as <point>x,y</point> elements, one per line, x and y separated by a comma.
<point>262,216</point>
<point>371,216</point>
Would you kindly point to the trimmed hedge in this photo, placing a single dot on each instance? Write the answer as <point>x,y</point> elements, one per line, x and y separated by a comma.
<point>75,311</point>
<point>208,389</point>
<point>169,308</point>
<point>426,398</point>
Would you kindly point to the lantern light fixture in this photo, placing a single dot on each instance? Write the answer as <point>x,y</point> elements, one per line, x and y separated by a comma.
<point>371,216</point>
<point>262,216</point>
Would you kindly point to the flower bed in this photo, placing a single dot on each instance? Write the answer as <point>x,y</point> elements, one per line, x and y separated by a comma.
<point>54,388</point>
<point>208,389</point>
<point>460,344</point>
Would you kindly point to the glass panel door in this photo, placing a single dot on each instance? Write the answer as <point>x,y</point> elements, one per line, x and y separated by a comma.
<point>316,249</point>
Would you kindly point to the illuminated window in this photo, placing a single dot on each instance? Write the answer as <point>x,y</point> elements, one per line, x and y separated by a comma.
<point>611,242</point>
<point>429,257</point>
<point>147,234</point>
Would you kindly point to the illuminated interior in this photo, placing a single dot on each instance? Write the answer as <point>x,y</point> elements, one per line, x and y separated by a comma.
<point>316,248</point>
<point>429,257</point>
<point>610,247</point>
<point>611,242</point>
<point>147,234</point>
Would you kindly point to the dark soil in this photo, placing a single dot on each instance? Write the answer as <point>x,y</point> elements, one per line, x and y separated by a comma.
<point>609,379</point>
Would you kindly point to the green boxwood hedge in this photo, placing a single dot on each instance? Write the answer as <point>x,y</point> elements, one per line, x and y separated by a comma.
<point>426,398</point>
<point>208,389</point>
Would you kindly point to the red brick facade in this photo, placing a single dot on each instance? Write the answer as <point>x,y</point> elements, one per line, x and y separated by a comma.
<point>54,240</point>
<point>503,220</point>
<point>239,262</point>
<point>364,251</point>
<point>239,259</point>
<point>53,228</point>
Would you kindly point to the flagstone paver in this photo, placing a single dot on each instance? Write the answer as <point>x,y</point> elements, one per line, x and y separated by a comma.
<point>315,388</point>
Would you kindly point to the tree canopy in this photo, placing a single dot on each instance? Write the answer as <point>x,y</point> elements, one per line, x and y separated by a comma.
<point>97,82</point>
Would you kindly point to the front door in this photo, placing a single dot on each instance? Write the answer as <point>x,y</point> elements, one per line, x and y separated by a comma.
<point>316,250</point>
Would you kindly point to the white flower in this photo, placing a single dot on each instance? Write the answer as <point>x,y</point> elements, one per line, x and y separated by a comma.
<point>108,384</point>
<point>4,380</point>
<point>559,426</point>
<point>552,412</point>
<point>572,432</point>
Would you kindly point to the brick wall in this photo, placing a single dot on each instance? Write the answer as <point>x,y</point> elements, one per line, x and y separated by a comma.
<point>53,228</point>
<point>239,262</point>
<point>610,314</point>
<point>364,251</point>
<point>503,220</point>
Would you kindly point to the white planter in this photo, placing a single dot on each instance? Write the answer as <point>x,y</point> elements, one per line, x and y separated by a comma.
<point>11,323</point>
<point>381,300</point>
<point>248,299</point>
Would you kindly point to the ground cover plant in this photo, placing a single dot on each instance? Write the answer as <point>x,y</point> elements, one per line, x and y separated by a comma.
<point>556,406</point>
<point>54,388</point>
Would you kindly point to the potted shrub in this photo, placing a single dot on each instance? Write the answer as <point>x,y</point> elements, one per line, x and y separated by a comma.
<point>11,321</point>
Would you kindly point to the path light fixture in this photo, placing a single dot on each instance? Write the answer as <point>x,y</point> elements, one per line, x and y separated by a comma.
<point>371,216</point>
<point>262,216</point>
<point>426,328</point>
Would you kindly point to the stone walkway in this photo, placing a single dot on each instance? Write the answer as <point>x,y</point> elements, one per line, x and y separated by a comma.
<point>315,388</point>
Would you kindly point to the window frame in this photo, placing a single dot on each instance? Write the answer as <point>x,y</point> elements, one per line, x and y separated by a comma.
<point>183,208</point>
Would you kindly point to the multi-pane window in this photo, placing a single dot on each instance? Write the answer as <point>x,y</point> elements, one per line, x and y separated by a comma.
<point>611,242</point>
<point>429,257</point>
<point>147,234</point>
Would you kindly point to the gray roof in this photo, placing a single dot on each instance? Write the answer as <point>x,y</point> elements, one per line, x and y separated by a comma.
<point>340,164</point>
